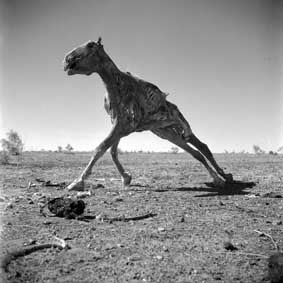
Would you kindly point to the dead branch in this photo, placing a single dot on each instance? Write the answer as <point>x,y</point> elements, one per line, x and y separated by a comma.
<point>246,254</point>
<point>270,237</point>
<point>100,179</point>
<point>252,254</point>
<point>50,184</point>
<point>127,219</point>
<point>12,255</point>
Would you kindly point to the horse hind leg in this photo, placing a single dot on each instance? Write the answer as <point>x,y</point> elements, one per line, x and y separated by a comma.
<point>204,149</point>
<point>172,136</point>
<point>189,137</point>
<point>184,127</point>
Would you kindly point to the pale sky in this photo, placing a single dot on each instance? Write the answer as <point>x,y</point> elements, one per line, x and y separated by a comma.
<point>220,61</point>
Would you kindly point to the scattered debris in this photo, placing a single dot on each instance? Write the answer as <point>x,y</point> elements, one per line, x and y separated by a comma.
<point>83,194</point>
<point>31,185</point>
<point>228,243</point>
<point>41,201</point>
<point>2,199</point>
<point>165,249</point>
<point>253,195</point>
<point>182,219</point>
<point>97,186</point>
<point>100,217</point>
<point>12,255</point>
<point>115,179</point>
<point>50,184</point>
<point>30,242</point>
<point>100,179</point>
<point>134,257</point>
<point>9,205</point>
<point>277,222</point>
<point>118,199</point>
<point>250,211</point>
<point>272,195</point>
<point>37,196</point>
<point>18,199</point>
<point>229,246</point>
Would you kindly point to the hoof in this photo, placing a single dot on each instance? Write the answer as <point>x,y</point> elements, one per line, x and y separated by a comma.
<point>229,178</point>
<point>219,183</point>
<point>127,178</point>
<point>77,185</point>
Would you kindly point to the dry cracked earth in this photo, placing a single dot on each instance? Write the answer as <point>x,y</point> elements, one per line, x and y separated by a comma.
<point>183,239</point>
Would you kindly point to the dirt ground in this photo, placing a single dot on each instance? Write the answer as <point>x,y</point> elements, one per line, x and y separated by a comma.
<point>182,242</point>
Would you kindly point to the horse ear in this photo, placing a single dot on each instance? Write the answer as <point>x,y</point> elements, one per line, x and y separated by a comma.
<point>99,41</point>
<point>90,44</point>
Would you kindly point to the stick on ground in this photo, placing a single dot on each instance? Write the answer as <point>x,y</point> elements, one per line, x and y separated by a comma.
<point>270,237</point>
<point>12,255</point>
<point>134,218</point>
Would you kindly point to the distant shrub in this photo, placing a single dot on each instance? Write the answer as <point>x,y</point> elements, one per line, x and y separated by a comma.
<point>13,145</point>
<point>257,149</point>
<point>174,149</point>
<point>59,148</point>
<point>272,152</point>
<point>69,148</point>
<point>4,158</point>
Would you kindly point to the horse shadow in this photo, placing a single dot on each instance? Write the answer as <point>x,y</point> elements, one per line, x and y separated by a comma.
<point>233,188</point>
